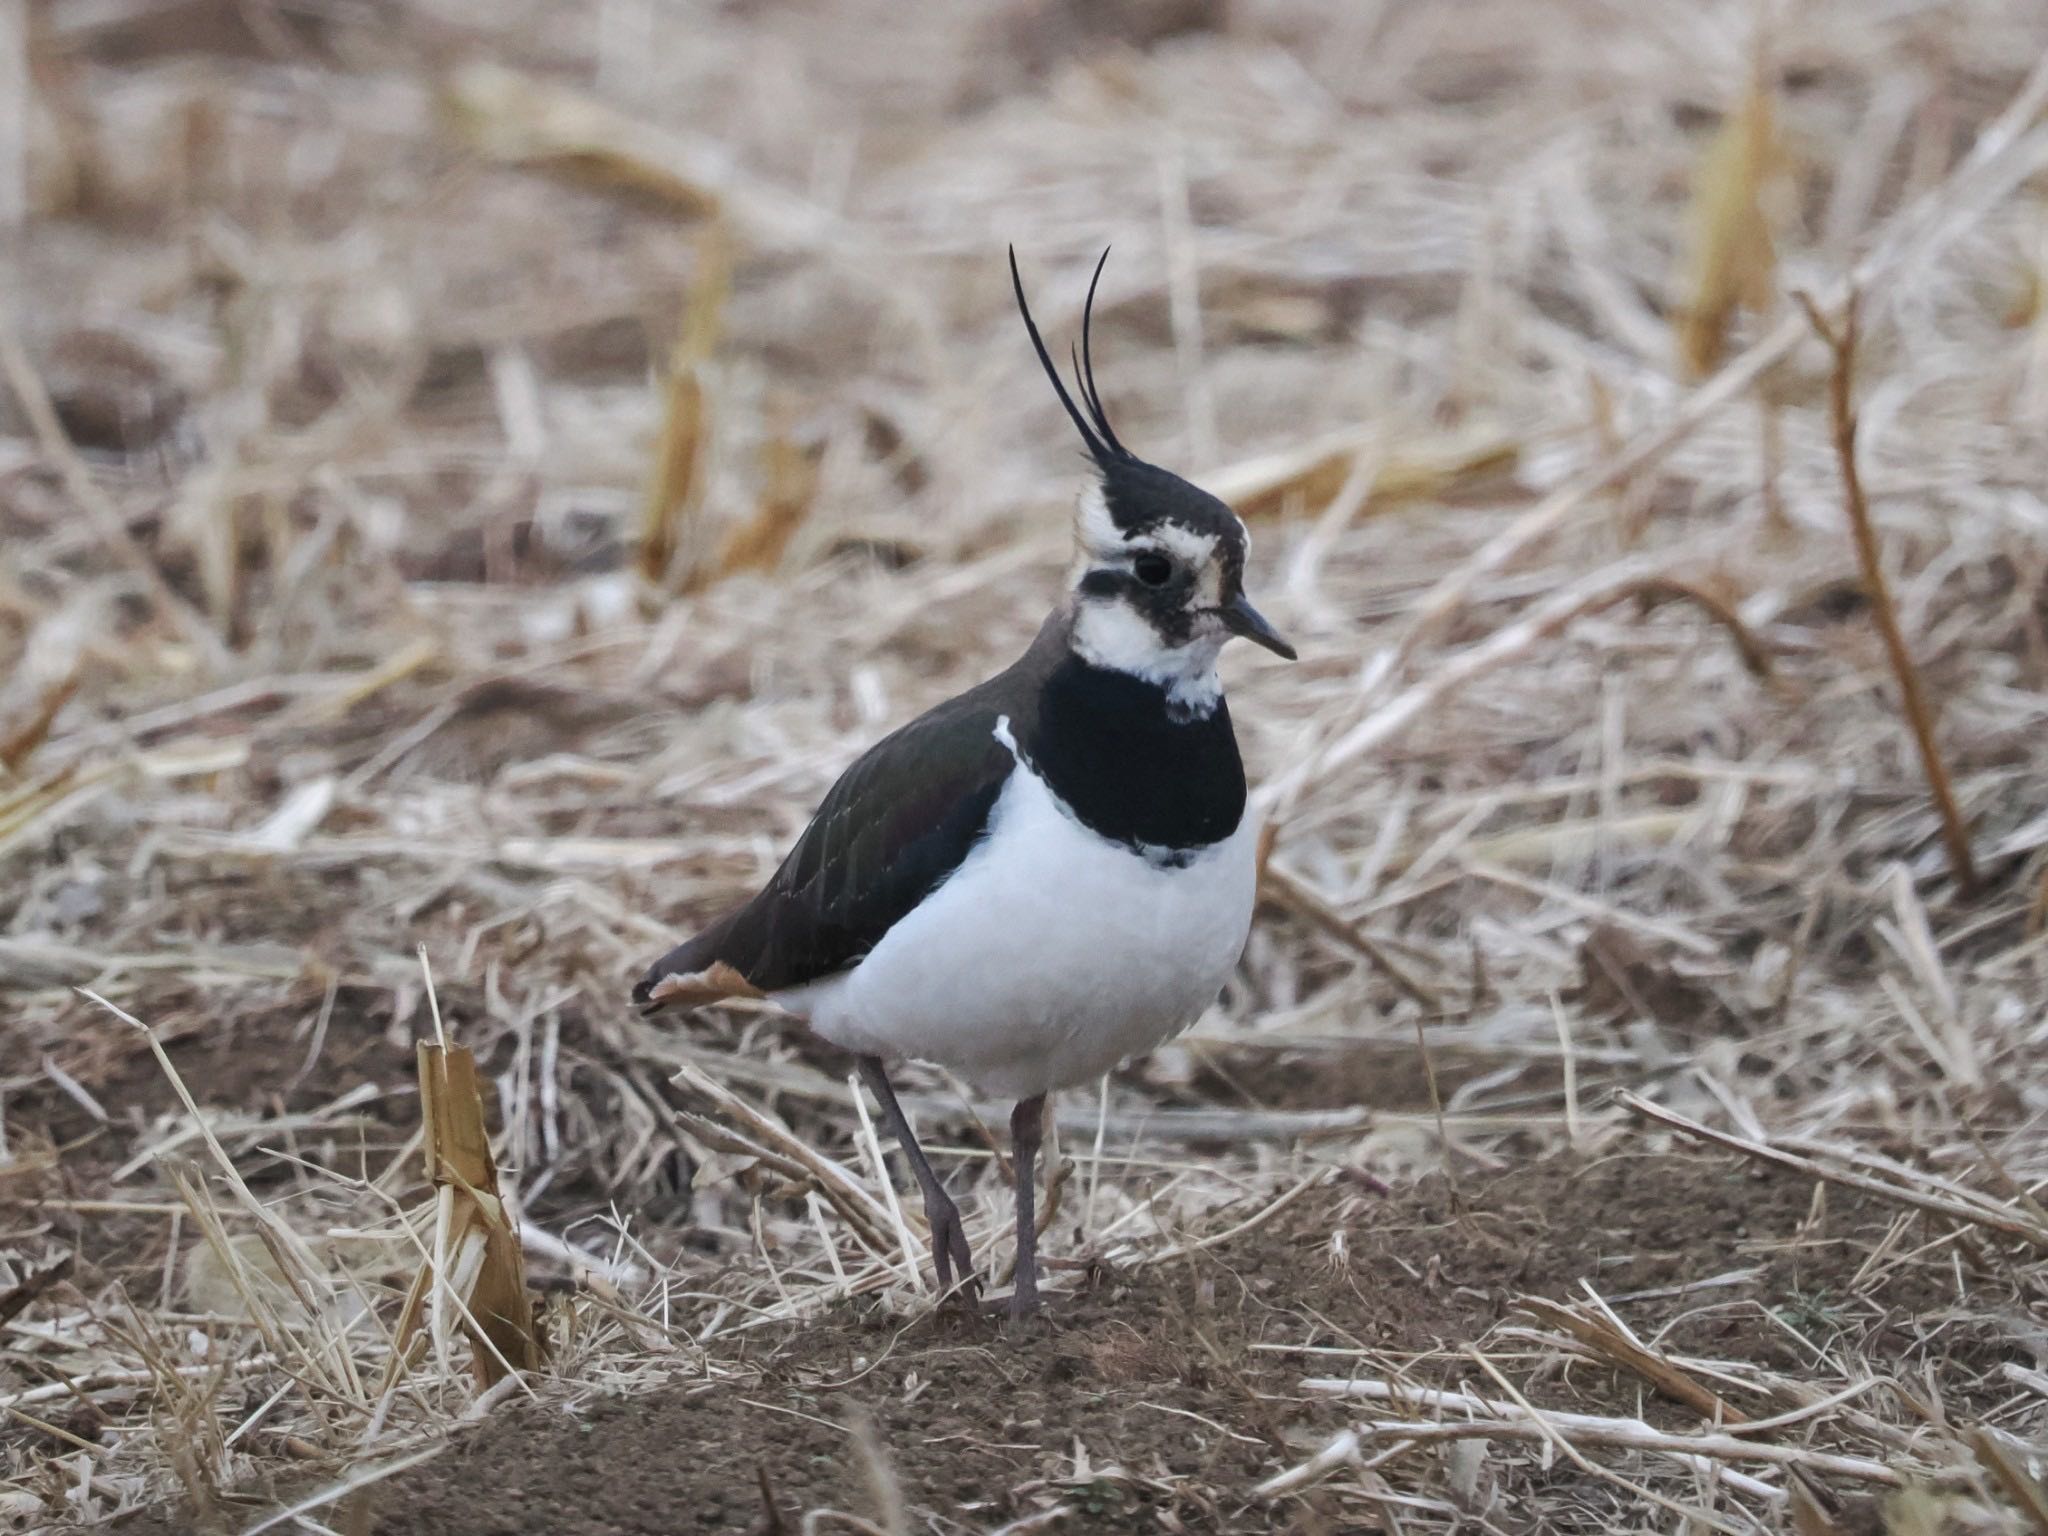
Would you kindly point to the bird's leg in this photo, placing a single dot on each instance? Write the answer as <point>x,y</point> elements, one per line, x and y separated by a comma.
<point>949,1237</point>
<point>1027,1126</point>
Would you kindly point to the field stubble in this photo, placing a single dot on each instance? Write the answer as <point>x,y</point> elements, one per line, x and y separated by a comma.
<point>480,505</point>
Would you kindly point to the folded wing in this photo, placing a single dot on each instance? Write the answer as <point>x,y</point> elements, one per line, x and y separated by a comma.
<point>897,823</point>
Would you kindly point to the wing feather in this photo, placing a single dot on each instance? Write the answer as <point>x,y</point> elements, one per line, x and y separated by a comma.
<point>895,825</point>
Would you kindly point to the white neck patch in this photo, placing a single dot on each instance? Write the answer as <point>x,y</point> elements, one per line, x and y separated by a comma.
<point>1111,635</point>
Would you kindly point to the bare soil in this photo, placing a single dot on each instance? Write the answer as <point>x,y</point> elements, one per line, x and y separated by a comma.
<point>362,606</point>
<point>1140,1394</point>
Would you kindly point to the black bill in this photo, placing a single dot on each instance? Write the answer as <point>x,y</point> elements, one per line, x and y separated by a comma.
<point>1241,618</point>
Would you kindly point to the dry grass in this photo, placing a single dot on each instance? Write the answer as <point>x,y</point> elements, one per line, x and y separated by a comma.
<point>471,474</point>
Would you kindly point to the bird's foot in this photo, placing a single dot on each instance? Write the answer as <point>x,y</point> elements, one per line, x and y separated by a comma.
<point>1023,1305</point>
<point>950,1252</point>
<point>1018,1313</point>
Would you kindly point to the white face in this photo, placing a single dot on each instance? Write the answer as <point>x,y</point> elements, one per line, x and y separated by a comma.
<point>1150,603</point>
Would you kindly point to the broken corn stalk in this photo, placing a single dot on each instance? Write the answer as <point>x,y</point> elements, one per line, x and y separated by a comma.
<point>475,1270</point>
<point>758,544</point>
<point>1308,475</point>
<point>1731,260</point>
<point>675,482</point>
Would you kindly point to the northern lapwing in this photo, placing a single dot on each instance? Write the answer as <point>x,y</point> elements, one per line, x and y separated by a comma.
<point>1050,873</point>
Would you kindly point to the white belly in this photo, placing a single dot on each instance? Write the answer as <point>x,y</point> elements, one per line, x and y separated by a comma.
<point>1050,955</point>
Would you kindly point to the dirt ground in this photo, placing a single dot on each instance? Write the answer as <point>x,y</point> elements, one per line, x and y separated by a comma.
<point>1140,1394</point>
<point>473,472</point>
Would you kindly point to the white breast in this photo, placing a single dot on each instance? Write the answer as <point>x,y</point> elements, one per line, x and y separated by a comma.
<point>1049,956</point>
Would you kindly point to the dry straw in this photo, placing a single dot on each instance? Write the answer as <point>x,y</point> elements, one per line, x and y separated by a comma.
<point>500,496</point>
<point>475,1269</point>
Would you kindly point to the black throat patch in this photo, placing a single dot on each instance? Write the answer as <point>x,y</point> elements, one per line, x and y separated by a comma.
<point>1119,758</point>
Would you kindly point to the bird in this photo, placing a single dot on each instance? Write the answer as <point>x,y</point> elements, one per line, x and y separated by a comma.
<point>1048,874</point>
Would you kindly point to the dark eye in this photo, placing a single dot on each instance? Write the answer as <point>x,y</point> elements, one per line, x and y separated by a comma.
<point>1153,570</point>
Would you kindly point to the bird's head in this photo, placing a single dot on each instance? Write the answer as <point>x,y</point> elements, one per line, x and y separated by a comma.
<point>1159,562</point>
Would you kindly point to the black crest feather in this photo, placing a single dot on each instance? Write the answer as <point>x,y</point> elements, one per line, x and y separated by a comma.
<point>1093,422</point>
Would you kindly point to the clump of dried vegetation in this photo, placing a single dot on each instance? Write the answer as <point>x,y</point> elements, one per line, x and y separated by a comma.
<point>471,474</point>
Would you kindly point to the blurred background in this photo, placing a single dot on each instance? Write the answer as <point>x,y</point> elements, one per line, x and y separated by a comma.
<point>473,471</point>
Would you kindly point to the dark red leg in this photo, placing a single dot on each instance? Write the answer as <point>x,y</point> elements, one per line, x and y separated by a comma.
<point>1027,1127</point>
<point>949,1237</point>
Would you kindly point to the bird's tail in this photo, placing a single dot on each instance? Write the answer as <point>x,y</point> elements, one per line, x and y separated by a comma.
<point>691,974</point>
